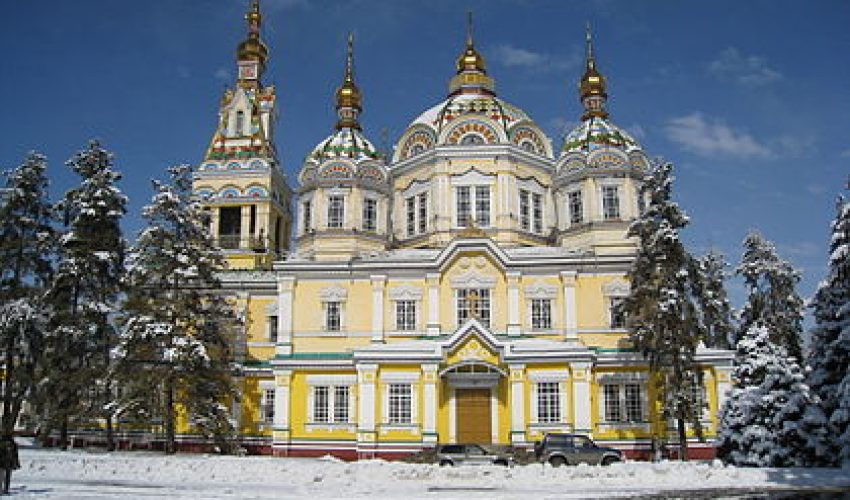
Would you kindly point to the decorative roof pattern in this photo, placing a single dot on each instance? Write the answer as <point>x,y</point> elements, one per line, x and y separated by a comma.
<point>598,133</point>
<point>347,143</point>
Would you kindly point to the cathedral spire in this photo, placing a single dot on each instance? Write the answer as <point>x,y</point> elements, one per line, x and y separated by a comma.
<point>593,86</point>
<point>471,74</point>
<point>252,54</point>
<point>349,101</point>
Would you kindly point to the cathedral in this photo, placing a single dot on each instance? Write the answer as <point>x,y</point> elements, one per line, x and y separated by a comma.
<point>457,290</point>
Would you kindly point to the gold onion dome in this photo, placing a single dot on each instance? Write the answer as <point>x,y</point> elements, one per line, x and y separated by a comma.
<point>253,48</point>
<point>593,86</point>
<point>471,74</point>
<point>349,100</point>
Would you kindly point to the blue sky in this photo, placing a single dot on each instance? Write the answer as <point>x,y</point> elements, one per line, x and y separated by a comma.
<point>750,100</point>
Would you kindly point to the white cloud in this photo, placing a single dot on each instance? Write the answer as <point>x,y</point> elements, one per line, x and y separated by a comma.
<point>845,153</point>
<point>745,70</point>
<point>518,57</point>
<point>696,134</point>
<point>637,131</point>
<point>222,74</point>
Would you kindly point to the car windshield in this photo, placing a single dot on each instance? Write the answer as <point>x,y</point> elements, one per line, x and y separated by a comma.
<point>453,449</point>
<point>583,442</point>
<point>474,449</point>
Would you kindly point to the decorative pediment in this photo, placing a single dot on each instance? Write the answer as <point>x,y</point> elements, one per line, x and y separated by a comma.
<point>472,349</point>
<point>405,292</point>
<point>616,288</point>
<point>333,294</point>
<point>541,290</point>
<point>473,279</point>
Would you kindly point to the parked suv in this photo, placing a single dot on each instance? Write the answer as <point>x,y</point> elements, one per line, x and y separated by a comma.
<point>572,449</point>
<point>470,454</point>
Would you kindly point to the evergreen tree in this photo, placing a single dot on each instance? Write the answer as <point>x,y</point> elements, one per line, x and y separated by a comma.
<point>176,348</point>
<point>772,301</point>
<point>772,418</point>
<point>664,309</point>
<point>84,295</point>
<point>717,312</point>
<point>26,243</point>
<point>829,355</point>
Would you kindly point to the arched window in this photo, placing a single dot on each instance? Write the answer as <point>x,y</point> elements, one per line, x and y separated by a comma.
<point>472,139</point>
<point>528,146</point>
<point>416,149</point>
<point>240,123</point>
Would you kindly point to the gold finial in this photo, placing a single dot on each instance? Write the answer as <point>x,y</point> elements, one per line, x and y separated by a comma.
<point>470,60</point>
<point>469,28</point>
<point>471,70</point>
<point>253,48</point>
<point>349,101</point>
<point>593,86</point>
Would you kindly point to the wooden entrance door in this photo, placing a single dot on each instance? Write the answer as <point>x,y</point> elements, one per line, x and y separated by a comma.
<point>472,414</point>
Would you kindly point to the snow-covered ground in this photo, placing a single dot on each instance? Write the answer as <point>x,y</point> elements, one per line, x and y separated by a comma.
<point>51,474</point>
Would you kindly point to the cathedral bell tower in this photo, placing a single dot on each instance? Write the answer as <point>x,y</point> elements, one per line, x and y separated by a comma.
<point>240,179</point>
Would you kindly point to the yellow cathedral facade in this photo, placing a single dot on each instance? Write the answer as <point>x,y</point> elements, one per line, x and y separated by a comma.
<point>460,290</point>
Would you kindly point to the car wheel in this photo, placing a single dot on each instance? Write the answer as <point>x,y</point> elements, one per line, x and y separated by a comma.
<point>446,463</point>
<point>609,460</point>
<point>557,461</point>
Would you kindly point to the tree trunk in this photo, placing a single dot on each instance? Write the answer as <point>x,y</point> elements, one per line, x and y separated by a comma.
<point>683,439</point>
<point>110,434</point>
<point>63,433</point>
<point>170,439</point>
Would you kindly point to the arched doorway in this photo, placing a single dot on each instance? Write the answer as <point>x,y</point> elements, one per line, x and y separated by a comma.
<point>473,386</point>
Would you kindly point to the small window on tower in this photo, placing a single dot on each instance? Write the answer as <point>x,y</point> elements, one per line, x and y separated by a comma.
<point>240,123</point>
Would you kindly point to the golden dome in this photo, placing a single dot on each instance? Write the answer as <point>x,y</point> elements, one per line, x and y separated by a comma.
<point>593,87</point>
<point>252,48</point>
<point>470,59</point>
<point>349,100</point>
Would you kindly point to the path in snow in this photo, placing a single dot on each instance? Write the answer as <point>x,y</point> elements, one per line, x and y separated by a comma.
<point>51,474</point>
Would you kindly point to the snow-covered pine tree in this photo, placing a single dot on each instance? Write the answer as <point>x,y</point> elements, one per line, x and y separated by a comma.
<point>84,294</point>
<point>717,312</point>
<point>772,299</point>
<point>663,308</point>
<point>176,347</point>
<point>26,245</point>
<point>829,353</point>
<point>772,418</point>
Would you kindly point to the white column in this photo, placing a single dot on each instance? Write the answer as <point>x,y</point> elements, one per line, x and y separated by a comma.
<point>281,428</point>
<point>517,378</point>
<point>513,303</point>
<point>378,284</point>
<point>433,303</point>
<point>568,280</point>
<point>581,398</point>
<point>285,298</point>
<point>366,435</point>
<point>430,401</point>
<point>724,384</point>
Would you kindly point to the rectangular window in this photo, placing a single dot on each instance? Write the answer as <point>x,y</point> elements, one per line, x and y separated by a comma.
<point>463,205</point>
<point>405,315</point>
<point>473,303</point>
<point>698,395</point>
<point>252,220</point>
<point>541,314</point>
<point>370,214</point>
<point>634,403</point>
<point>333,316</point>
<point>482,206</point>
<point>641,201</point>
<point>411,216</point>
<point>267,409</point>
<point>524,211</point>
<point>611,393</point>
<point>537,204</point>
<point>340,403</point>
<point>399,409</point>
<point>423,213</point>
<point>618,317</point>
<point>229,227</point>
<point>336,211</point>
<point>272,328</point>
<point>308,216</point>
<point>610,203</point>
<point>576,211</point>
<point>321,403</point>
<point>548,402</point>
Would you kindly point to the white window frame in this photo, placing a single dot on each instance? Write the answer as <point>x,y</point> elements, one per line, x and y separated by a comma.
<point>480,201</point>
<point>537,213</point>
<point>618,383</point>
<point>410,379</point>
<point>336,212</point>
<point>575,216</point>
<point>410,213</point>
<point>422,212</point>
<point>615,291</point>
<point>333,295</point>
<point>273,333</point>
<point>525,210</point>
<point>548,377</point>
<point>463,206</point>
<point>539,319</point>
<point>483,294</point>
<point>370,217</point>
<point>333,315</point>
<point>267,406</point>
<point>307,215</point>
<point>332,384</point>
<point>405,315</point>
<point>406,293</point>
<point>610,211</point>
